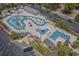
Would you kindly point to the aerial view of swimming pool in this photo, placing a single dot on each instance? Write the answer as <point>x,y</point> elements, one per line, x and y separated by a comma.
<point>17,21</point>
<point>38,22</point>
<point>57,34</point>
<point>44,31</point>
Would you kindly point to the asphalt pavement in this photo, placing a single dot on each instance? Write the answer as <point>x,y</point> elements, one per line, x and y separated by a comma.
<point>7,48</point>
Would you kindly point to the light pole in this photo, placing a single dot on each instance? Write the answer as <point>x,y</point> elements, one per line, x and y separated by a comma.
<point>18,34</point>
<point>39,33</point>
<point>40,36</point>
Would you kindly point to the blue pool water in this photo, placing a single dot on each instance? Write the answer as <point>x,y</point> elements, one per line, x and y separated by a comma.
<point>42,31</point>
<point>57,34</point>
<point>18,21</point>
<point>35,22</point>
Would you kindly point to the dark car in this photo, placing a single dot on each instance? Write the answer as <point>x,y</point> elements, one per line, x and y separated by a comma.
<point>25,47</point>
<point>28,49</point>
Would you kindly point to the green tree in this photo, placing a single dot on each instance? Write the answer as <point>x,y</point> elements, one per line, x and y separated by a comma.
<point>76,44</point>
<point>51,6</point>
<point>76,5</point>
<point>14,35</point>
<point>69,7</point>
<point>59,44</point>
<point>77,17</point>
<point>73,54</point>
<point>0,17</point>
<point>78,37</point>
<point>64,25</point>
<point>66,43</point>
<point>64,50</point>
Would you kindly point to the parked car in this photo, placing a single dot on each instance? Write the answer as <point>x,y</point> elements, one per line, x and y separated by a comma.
<point>25,47</point>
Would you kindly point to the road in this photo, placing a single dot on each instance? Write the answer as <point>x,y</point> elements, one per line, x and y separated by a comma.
<point>8,48</point>
<point>7,45</point>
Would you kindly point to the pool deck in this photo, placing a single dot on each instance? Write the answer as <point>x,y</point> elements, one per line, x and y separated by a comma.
<point>32,29</point>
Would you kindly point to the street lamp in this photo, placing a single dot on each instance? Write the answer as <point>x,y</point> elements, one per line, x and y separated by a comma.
<point>39,33</point>
<point>40,36</point>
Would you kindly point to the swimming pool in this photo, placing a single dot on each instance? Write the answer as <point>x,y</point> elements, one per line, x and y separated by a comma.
<point>44,31</point>
<point>17,21</point>
<point>32,18</point>
<point>57,34</point>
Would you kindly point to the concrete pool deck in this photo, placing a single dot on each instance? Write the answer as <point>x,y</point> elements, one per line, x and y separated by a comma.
<point>32,29</point>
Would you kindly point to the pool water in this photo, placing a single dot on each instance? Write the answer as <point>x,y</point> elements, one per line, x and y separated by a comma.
<point>44,31</point>
<point>32,18</point>
<point>57,34</point>
<point>16,22</point>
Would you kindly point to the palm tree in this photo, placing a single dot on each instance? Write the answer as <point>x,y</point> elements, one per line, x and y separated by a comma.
<point>14,35</point>
<point>63,50</point>
<point>64,25</point>
<point>77,17</point>
<point>76,44</point>
<point>68,8</point>
<point>67,42</point>
<point>59,44</point>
